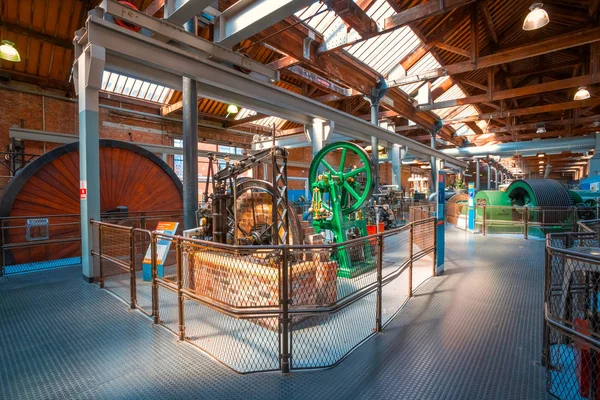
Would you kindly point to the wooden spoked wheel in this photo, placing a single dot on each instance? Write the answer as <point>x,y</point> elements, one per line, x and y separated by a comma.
<point>130,176</point>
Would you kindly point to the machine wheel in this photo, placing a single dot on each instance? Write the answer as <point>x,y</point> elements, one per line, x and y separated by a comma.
<point>352,196</point>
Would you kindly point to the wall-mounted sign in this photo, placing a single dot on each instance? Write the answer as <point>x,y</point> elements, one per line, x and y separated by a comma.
<point>83,190</point>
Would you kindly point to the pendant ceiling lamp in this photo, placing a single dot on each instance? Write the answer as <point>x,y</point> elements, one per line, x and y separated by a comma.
<point>536,19</point>
<point>9,52</point>
<point>582,94</point>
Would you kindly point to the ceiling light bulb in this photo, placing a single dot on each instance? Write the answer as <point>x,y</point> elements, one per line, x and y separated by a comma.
<point>232,109</point>
<point>536,19</point>
<point>582,94</point>
<point>9,52</point>
<point>541,162</point>
<point>541,155</point>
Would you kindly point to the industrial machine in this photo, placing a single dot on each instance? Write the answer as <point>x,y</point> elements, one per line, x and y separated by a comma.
<point>545,203</point>
<point>247,211</point>
<point>339,195</point>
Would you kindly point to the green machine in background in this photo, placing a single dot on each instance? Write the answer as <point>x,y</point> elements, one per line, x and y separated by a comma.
<point>498,212</point>
<point>339,194</point>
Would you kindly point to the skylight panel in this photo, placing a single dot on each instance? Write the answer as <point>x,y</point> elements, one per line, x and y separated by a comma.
<point>136,88</point>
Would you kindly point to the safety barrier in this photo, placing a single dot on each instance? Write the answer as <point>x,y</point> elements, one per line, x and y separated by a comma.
<point>529,221</point>
<point>265,308</point>
<point>31,243</point>
<point>571,350</point>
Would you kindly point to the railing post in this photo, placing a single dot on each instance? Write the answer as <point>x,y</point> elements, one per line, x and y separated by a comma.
<point>483,223</point>
<point>154,281</point>
<point>435,243</point>
<point>547,289</point>
<point>526,223</point>
<point>3,260</point>
<point>100,263</point>
<point>132,283</point>
<point>379,306</point>
<point>180,302</point>
<point>574,217</point>
<point>410,258</point>
<point>284,301</point>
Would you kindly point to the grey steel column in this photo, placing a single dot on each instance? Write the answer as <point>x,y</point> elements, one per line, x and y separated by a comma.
<point>477,177</point>
<point>375,144</point>
<point>489,177</point>
<point>90,67</point>
<point>316,135</point>
<point>190,146</point>
<point>433,187</point>
<point>396,166</point>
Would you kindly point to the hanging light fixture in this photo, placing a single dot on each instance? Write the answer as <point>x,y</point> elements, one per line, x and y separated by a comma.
<point>232,109</point>
<point>582,93</point>
<point>9,52</point>
<point>541,127</point>
<point>536,19</point>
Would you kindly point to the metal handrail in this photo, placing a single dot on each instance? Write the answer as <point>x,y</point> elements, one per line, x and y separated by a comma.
<point>283,311</point>
<point>567,331</point>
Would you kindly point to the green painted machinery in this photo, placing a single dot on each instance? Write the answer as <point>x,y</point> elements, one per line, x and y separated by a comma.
<point>498,212</point>
<point>339,193</point>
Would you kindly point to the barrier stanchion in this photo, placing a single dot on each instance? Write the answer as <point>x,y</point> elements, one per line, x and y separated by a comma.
<point>155,313</point>
<point>179,277</point>
<point>285,318</point>
<point>132,283</point>
<point>410,257</point>
<point>378,311</point>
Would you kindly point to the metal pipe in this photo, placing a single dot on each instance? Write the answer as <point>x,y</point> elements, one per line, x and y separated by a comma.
<point>574,144</point>
<point>496,178</point>
<point>489,177</point>
<point>477,177</point>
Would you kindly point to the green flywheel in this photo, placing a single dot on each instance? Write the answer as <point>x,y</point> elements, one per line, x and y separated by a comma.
<point>354,175</point>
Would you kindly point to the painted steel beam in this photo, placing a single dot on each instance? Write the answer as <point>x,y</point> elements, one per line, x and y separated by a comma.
<point>179,12</point>
<point>166,31</point>
<point>248,17</point>
<point>163,63</point>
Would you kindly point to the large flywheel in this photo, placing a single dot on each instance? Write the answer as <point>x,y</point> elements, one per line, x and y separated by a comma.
<point>254,215</point>
<point>353,175</point>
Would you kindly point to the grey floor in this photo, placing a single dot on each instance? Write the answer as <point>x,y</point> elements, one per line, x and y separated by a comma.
<point>473,333</point>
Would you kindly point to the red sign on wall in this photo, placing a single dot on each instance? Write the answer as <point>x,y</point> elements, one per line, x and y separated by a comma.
<point>83,190</point>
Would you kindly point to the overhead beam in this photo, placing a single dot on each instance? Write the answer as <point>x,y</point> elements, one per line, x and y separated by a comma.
<point>550,45</point>
<point>355,17</point>
<point>154,7</point>
<point>64,43</point>
<point>453,49</point>
<point>185,11</point>
<point>423,11</point>
<point>543,69</point>
<point>515,93</point>
<point>488,23</point>
<point>246,120</point>
<point>524,127</point>
<point>283,62</point>
<point>246,18</point>
<point>593,102</point>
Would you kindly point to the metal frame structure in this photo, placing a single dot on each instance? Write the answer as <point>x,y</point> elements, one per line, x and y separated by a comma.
<point>105,45</point>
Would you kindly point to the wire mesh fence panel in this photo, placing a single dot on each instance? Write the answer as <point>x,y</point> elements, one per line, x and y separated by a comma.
<point>574,370</point>
<point>168,308</point>
<point>313,276</point>
<point>423,236</point>
<point>323,340</point>
<point>572,342</point>
<point>394,295</point>
<point>239,278</point>
<point>143,270</point>
<point>245,345</point>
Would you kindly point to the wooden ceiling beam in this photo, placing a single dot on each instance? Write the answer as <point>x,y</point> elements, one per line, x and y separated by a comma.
<point>531,126</point>
<point>355,17</point>
<point>64,43</point>
<point>488,23</point>
<point>452,49</point>
<point>516,92</point>
<point>422,11</point>
<point>247,120</point>
<point>593,102</point>
<point>283,62</point>
<point>546,46</point>
<point>543,69</point>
